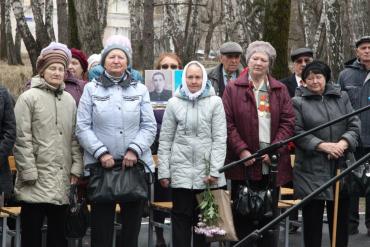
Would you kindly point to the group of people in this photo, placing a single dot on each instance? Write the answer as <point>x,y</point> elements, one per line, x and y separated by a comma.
<point>215,117</point>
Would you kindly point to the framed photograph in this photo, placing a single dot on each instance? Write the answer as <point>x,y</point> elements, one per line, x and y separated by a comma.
<point>159,84</point>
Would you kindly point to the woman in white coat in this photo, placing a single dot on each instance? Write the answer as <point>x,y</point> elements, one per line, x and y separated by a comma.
<point>193,135</point>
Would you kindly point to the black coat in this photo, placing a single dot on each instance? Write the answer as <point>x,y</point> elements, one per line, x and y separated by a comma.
<point>312,168</point>
<point>291,83</point>
<point>7,138</point>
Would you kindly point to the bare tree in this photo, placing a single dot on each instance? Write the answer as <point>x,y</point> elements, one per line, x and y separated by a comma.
<point>102,6</point>
<point>213,18</point>
<point>136,27</point>
<point>89,33</point>
<point>42,37</point>
<point>148,34</point>
<point>49,9</point>
<point>72,26</point>
<point>10,49</point>
<point>276,31</point>
<point>62,14</point>
<point>2,30</point>
<point>32,47</point>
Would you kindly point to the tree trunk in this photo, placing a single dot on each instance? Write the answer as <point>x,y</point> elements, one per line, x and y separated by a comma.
<point>2,31</point>
<point>17,46</point>
<point>62,15</point>
<point>72,26</point>
<point>102,14</point>
<point>88,26</point>
<point>211,14</point>
<point>12,60</point>
<point>42,36</point>
<point>148,35</point>
<point>334,36</point>
<point>276,31</point>
<point>29,41</point>
<point>136,24</point>
<point>49,10</point>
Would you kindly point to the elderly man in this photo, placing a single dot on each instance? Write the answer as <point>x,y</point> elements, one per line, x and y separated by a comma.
<point>300,58</point>
<point>355,79</point>
<point>229,67</point>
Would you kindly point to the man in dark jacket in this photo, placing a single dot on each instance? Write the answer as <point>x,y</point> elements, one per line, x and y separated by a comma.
<point>355,79</point>
<point>300,58</point>
<point>229,67</point>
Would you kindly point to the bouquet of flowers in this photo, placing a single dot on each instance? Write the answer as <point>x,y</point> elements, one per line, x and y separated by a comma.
<point>209,215</point>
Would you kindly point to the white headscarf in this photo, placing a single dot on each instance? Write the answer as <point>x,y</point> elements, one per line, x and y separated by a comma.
<point>185,89</point>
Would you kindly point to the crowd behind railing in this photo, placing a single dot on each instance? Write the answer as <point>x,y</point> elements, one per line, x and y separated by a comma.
<point>78,112</point>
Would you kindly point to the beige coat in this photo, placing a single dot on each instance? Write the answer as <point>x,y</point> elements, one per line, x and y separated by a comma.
<point>46,150</point>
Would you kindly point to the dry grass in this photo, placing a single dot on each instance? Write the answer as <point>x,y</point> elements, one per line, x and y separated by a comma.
<point>14,77</point>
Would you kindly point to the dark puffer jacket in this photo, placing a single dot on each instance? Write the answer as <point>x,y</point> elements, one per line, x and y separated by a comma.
<point>7,139</point>
<point>355,80</point>
<point>312,168</point>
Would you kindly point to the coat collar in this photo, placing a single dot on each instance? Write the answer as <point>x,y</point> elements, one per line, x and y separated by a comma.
<point>243,81</point>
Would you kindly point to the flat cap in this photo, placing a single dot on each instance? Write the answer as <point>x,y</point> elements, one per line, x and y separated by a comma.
<point>301,52</point>
<point>363,39</point>
<point>230,47</point>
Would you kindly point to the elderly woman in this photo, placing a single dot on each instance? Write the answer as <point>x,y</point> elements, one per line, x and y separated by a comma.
<point>193,137</point>
<point>46,151</point>
<point>78,64</point>
<point>319,155</point>
<point>259,112</point>
<point>115,121</point>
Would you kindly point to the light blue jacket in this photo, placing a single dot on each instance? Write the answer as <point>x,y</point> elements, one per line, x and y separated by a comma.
<point>114,117</point>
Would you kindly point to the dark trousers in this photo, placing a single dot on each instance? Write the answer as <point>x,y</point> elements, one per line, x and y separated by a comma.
<point>244,225</point>
<point>160,195</point>
<point>313,219</point>
<point>184,216</point>
<point>102,223</point>
<point>354,218</point>
<point>32,218</point>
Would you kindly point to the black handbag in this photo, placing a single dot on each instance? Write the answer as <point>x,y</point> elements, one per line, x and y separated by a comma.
<point>77,217</point>
<point>254,203</point>
<point>119,183</point>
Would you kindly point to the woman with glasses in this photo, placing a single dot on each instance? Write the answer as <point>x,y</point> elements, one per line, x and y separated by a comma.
<point>166,61</point>
<point>321,153</point>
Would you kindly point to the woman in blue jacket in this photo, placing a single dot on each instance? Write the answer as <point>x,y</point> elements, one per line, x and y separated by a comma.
<point>115,120</point>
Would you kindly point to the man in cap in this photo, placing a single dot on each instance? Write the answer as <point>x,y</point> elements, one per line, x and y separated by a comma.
<point>355,79</point>
<point>300,58</point>
<point>229,67</point>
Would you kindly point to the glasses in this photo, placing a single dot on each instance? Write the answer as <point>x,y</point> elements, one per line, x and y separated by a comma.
<point>166,66</point>
<point>305,60</point>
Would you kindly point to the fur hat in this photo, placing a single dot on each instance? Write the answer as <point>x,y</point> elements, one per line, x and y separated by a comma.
<point>317,67</point>
<point>261,46</point>
<point>53,53</point>
<point>81,57</point>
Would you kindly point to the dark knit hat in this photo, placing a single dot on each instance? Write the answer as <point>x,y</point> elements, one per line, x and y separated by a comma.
<point>81,57</point>
<point>317,67</point>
